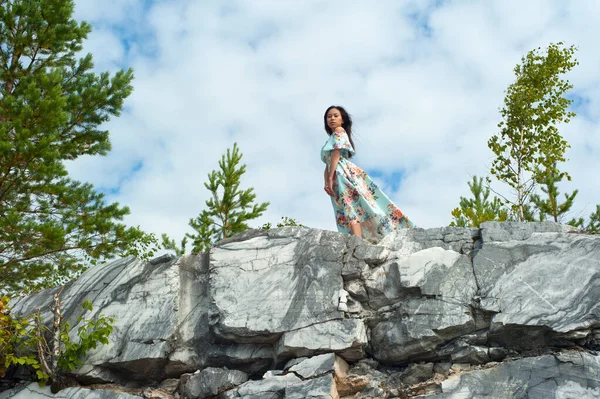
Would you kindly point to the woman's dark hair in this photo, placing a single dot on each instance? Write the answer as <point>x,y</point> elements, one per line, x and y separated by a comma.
<point>347,124</point>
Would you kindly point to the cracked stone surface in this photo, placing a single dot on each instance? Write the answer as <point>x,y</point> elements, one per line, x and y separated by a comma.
<point>264,298</point>
<point>210,382</point>
<point>562,376</point>
<point>319,365</point>
<point>547,279</point>
<point>34,391</point>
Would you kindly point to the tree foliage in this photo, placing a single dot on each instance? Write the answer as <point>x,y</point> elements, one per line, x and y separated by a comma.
<point>49,352</point>
<point>52,106</point>
<point>550,206</point>
<point>529,143</point>
<point>61,353</point>
<point>593,223</point>
<point>478,209</point>
<point>228,208</point>
<point>285,221</point>
<point>17,344</point>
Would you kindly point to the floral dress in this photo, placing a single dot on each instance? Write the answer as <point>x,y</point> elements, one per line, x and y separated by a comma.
<point>357,198</point>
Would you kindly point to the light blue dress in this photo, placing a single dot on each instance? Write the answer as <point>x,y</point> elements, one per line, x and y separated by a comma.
<point>357,198</point>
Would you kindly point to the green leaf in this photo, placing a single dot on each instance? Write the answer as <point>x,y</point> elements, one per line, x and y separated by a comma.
<point>87,305</point>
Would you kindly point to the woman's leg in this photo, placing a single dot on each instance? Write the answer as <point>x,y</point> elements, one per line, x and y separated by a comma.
<point>356,229</point>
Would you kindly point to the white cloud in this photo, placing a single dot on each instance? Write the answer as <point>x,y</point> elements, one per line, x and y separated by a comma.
<point>423,81</point>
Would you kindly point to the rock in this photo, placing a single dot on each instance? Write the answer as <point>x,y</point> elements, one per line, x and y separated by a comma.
<point>460,367</point>
<point>442,368</point>
<point>568,376</point>
<point>152,303</point>
<point>497,354</point>
<point>269,285</point>
<point>272,373</point>
<point>471,355</point>
<point>293,362</point>
<point>170,385</point>
<point>270,388</point>
<point>346,337</point>
<point>373,255</point>
<point>353,269</point>
<point>539,280</point>
<point>365,366</point>
<point>357,290</point>
<point>416,373</point>
<point>90,374</point>
<point>427,273</point>
<point>253,359</point>
<point>317,388</point>
<point>516,231</point>
<point>406,242</point>
<point>319,365</point>
<point>432,322</point>
<point>34,391</point>
<point>209,382</point>
<point>261,298</point>
<point>351,384</point>
<point>156,394</point>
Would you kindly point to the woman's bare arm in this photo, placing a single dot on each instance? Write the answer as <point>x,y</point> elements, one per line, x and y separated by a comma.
<point>335,158</point>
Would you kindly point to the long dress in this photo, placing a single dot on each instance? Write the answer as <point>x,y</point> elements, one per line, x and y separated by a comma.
<point>357,198</point>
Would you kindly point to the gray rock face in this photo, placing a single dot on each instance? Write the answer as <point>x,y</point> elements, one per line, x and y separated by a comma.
<point>267,388</point>
<point>268,285</point>
<point>151,303</point>
<point>562,376</point>
<point>34,391</point>
<point>548,279</point>
<point>263,298</point>
<point>317,388</point>
<point>435,287</point>
<point>347,337</point>
<point>210,382</point>
<point>319,365</point>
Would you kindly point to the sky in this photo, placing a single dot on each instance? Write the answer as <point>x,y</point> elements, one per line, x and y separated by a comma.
<point>423,80</point>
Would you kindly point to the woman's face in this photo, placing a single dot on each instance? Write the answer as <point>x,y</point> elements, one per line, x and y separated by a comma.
<point>334,118</point>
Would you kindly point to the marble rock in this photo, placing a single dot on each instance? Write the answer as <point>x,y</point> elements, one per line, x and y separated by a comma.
<point>274,283</point>
<point>319,365</point>
<point>34,391</point>
<point>210,382</point>
<point>159,309</point>
<point>547,280</point>
<point>573,375</point>
<point>346,337</point>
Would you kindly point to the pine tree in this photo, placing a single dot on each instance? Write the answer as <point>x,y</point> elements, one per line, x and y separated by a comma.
<point>550,206</point>
<point>51,108</point>
<point>474,211</point>
<point>529,141</point>
<point>227,210</point>
<point>593,223</point>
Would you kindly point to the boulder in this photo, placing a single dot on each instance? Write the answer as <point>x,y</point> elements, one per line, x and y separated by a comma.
<point>319,365</point>
<point>210,382</point>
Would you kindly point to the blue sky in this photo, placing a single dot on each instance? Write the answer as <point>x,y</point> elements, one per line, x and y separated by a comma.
<point>423,80</point>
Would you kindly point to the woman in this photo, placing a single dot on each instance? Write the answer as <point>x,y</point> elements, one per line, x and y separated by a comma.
<point>360,207</point>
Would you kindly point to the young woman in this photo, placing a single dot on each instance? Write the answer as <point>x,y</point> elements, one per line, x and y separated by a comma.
<point>360,207</point>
